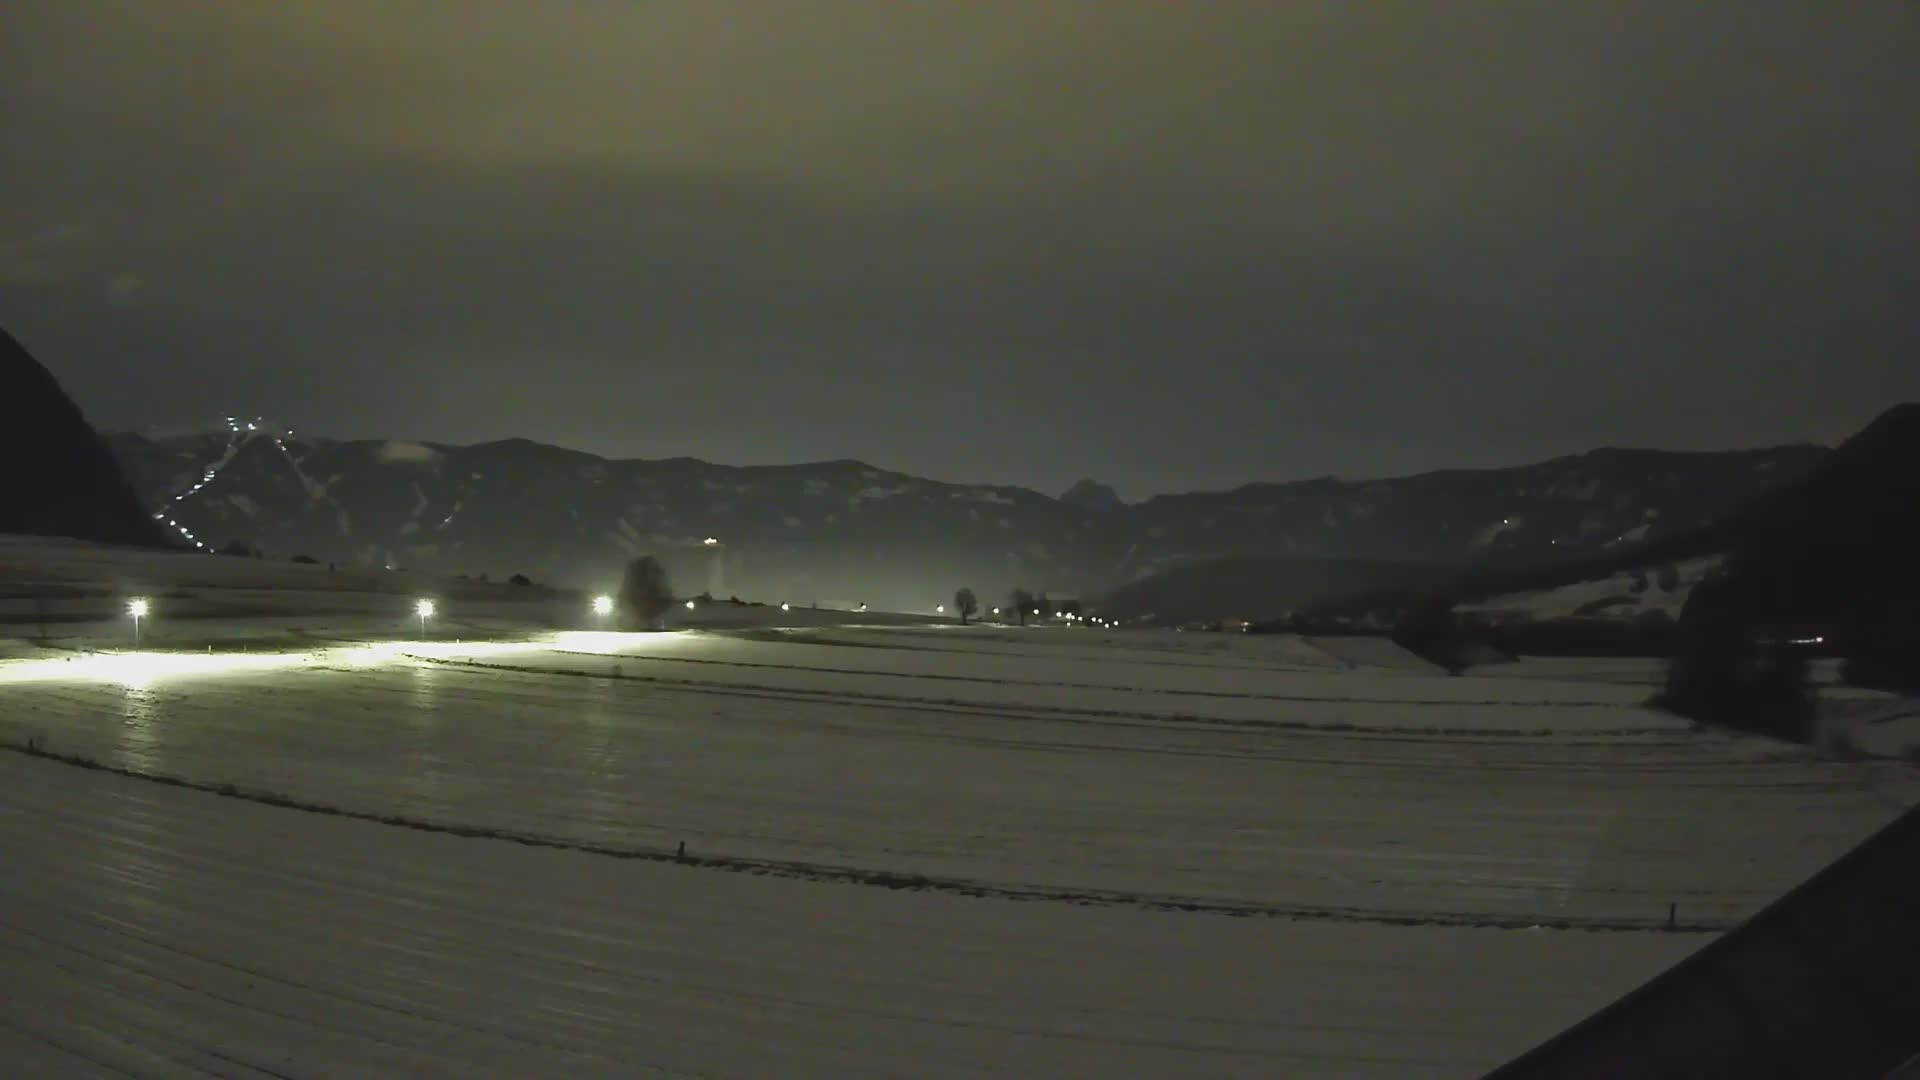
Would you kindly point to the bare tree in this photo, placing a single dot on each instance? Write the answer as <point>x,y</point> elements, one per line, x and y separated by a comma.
<point>966,604</point>
<point>645,595</point>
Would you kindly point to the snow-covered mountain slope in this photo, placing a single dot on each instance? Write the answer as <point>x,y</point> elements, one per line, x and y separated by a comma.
<point>847,532</point>
<point>1628,595</point>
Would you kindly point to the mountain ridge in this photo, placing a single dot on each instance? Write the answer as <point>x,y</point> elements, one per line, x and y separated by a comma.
<point>846,530</point>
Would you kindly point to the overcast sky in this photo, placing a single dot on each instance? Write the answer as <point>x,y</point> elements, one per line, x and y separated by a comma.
<point>1166,245</point>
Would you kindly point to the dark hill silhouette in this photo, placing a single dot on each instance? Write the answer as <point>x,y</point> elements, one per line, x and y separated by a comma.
<point>1836,553</point>
<point>1835,539</point>
<point>60,479</point>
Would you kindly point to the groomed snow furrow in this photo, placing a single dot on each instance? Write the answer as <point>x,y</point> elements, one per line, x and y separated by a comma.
<point>876,877</point>
<point>157,931</point>
<point>1556,828</point>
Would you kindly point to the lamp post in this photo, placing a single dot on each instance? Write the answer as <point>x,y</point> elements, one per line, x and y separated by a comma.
<point>603,607</point>
<point>424,609</point>
<point>138,609</point>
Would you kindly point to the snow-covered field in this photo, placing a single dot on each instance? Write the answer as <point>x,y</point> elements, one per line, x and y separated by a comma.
<point>910,850</point>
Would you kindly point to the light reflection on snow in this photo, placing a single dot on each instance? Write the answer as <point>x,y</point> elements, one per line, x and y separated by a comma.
<point>139,670</point>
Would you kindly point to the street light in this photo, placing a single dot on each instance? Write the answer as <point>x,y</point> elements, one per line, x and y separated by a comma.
<point>939,609</point>
<point>603,606</point>
<point>786,606</point>
<point>689,605</point>
<point>424,609</point>
<point>138,609</point>
<point>710,541</point>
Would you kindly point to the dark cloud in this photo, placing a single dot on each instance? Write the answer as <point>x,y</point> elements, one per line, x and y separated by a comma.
<point>1164,244</point>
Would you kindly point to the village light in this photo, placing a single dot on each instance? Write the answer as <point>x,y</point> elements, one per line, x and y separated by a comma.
<point>689,605</point>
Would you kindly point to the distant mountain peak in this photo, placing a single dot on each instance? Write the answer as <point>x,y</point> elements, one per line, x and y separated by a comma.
<point>1090,494</point>
<point>1901,423</point>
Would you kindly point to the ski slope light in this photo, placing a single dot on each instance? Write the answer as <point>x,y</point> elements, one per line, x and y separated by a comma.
<point>603,605</point>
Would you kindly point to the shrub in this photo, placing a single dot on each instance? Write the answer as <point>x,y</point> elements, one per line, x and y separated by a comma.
<point>306,560</point>
<point>520,579</point>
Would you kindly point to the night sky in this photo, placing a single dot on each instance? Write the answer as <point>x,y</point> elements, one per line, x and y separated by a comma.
<point>1167,245</point>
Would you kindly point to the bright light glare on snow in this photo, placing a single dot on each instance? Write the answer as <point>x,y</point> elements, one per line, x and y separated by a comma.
<point>614,641</point>
<point>139,669</point>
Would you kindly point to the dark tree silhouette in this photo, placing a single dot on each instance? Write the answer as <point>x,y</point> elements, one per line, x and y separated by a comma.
<point>1724,674</point>
<point>1021,601</point>
<point>1042,606</point>
<point>645,594</point>
<point>966,604</point>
